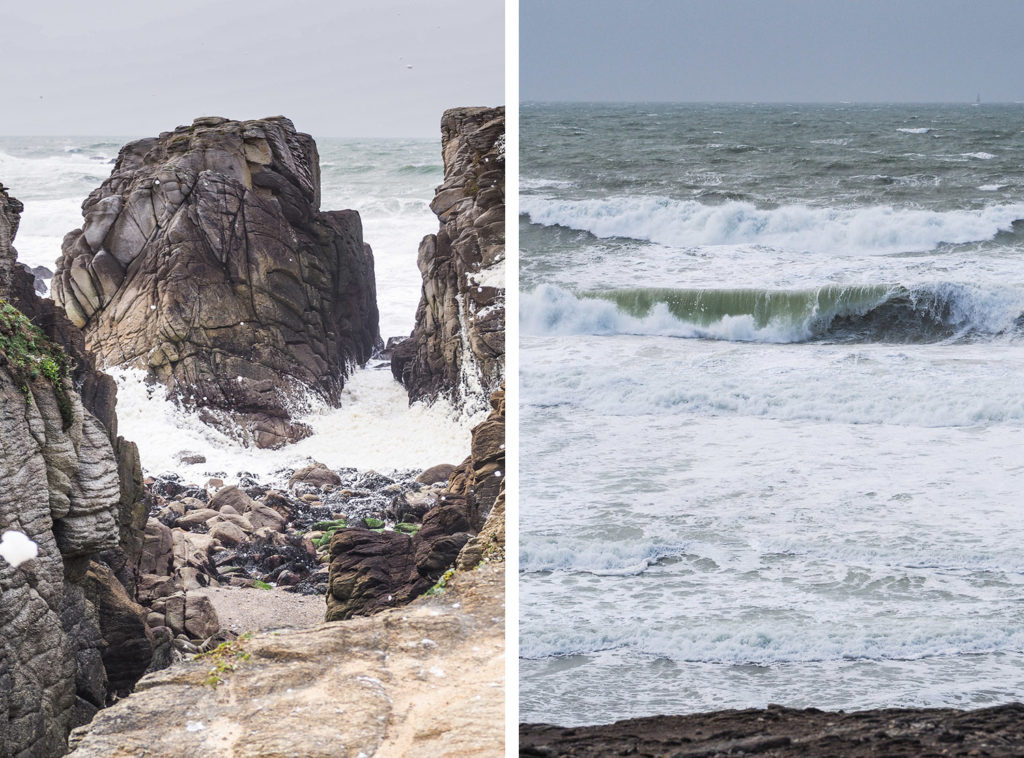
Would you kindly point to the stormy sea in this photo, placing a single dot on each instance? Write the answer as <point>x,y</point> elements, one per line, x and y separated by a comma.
<point>771,414</point>
<point>390,182</point>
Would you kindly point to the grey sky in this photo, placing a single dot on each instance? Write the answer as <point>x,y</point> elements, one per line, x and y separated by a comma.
<point>335,67</point>
<point>771,50</point>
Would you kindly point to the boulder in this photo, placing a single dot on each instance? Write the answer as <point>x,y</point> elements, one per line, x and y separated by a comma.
<point>436,474</point>
<point>236,498</point>
<point>200,617</point>
<point>457,348</point>
<point>314,475</point>
<point>205,260</point>
<point>227,534</point>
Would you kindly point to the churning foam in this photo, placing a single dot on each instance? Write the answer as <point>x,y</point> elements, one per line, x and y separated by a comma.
<point>375,428</point>
<point>687,223</point>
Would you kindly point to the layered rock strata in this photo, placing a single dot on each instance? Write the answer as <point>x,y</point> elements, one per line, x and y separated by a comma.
<point>457,349</point>
<point>372,570</point>
<point>72,636</point>
<point>205,260</point>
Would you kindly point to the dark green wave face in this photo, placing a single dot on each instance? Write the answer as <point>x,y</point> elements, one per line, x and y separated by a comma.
<point>868,313</point>
<point>783,307</point>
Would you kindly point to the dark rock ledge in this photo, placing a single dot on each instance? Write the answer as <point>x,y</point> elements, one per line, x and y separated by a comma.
<point>777,732</point>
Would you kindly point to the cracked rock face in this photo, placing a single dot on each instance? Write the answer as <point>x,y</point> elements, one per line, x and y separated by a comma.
<point>457,349</point>
<point>205,260</point>
<point>72,486</point>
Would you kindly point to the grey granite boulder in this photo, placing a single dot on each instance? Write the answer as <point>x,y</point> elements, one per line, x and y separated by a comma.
<point>205,260</point>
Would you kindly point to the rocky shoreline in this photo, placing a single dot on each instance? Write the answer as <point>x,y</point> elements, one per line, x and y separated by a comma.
<point>778,732</point>
<point>205,260</point>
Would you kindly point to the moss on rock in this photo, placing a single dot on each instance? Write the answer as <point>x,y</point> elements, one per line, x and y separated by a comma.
<point>28,355</point>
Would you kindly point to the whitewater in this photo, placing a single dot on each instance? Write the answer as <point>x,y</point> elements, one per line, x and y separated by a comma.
<point>390,182</point>
<point>772,358</point>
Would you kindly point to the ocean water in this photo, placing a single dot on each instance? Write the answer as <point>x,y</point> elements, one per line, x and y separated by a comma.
<point>772,408</point>
<point>390,182</point>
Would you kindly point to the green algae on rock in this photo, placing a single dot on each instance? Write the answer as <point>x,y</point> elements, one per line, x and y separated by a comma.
<point>29,354</point>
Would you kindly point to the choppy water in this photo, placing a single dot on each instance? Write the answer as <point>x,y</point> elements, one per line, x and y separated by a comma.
<point>390,182</point>
<point>772,408</point>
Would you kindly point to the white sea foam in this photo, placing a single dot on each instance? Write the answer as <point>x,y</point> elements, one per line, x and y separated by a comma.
<point>981,156</point>
<point>991,187</point>
<point>616,559</point>
<point>914,130</point>
<point>375,428</point>
<point>798,641</point>
<point>687,223</point>
<point>839,384</point>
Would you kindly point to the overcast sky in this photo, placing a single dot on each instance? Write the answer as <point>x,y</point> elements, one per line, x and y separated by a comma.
<point>335,67</point>
<point>772,50</point>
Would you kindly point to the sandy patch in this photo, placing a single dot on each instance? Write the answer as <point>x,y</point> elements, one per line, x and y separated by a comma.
<point>251,610</point>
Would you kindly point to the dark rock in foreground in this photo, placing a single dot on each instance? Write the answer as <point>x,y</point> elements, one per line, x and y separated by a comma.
<point>372,570</point>
<point>205,259</point>
<point>778,732</point>
<point>457,349</point>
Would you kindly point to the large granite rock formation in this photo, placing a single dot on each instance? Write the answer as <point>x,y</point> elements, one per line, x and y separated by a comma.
<point>73,487</point>
<point>205,259</point>
<point>457,349</point>
<point>374,570</point>
<point>425,680</point>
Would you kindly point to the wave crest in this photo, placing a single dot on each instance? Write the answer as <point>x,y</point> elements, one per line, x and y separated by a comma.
<point>688,223</point>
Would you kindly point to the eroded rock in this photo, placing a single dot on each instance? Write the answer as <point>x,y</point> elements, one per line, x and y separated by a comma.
<point>205,260</point>
<point>421,681</point>
<point>457,349</point>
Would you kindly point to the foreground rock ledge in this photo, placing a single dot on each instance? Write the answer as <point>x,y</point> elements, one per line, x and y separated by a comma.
<point>776,732</point>
<point>423,680</point>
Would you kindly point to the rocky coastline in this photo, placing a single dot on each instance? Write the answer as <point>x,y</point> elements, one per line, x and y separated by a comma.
<point>205,261</point>
<point>778,732</point>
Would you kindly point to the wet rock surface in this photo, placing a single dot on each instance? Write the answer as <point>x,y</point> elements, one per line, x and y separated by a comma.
<point>205,260</point>
<point>778,732</point>
<point>457,349</point>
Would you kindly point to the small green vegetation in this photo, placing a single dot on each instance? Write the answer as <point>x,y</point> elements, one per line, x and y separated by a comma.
<point>406,528</point>
<point>442,584</point>
<point>327,526</point>
<point>261,585</point>
<point>225,658</point>
<point>373,523</point>
<point>28,354</point>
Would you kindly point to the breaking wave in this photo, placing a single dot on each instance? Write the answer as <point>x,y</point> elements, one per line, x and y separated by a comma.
<point>861,313</point>
<point>685,223</point>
